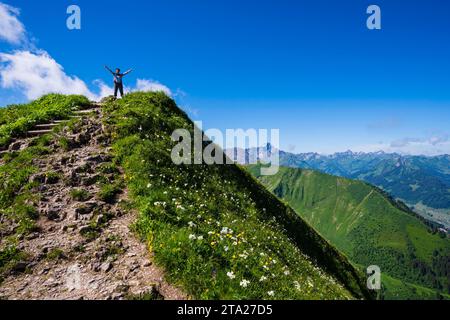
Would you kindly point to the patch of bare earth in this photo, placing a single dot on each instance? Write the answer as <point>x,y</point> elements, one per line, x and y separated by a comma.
<point>84,249</point>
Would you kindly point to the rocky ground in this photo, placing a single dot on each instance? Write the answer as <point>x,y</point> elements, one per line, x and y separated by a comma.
<point>84,248</point>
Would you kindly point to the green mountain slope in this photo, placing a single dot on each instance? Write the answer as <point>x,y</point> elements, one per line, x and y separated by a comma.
<point>422,182</point>
<point>368,226</point>
<point>216,231</point>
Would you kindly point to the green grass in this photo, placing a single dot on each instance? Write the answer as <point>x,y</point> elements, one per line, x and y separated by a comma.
<point>52,177</point>
<point>215,229</point>
<point>55,254</point>
<point>16,120</point>
<point>18,202</point>
<point>366,225</point>
<point>395,289</point>
<point>80,195</point>
<point>10,255</point>
<point>109,191</point>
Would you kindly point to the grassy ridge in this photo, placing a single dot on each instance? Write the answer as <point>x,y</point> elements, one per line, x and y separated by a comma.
<point>215,229</point>
<point>16,120</point>
<point>366,225</point>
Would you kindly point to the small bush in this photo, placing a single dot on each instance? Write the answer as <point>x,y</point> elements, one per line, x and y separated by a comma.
<point>109,192</point>
<point>52,177</point>
<point>64,143</point>
<point>10,255</point>
<point>80,195</point>
<point>55,254</point>
<point>108,168</point>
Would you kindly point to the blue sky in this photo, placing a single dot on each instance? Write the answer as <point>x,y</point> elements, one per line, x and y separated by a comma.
<point>310,68</point>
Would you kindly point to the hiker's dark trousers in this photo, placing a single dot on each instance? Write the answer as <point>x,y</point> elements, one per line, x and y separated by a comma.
<point>118,87</point>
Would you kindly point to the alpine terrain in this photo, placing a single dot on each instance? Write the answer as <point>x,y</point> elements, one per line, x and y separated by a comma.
<point>92,207</point>
<point>371,228</point>
<point>422,182</point>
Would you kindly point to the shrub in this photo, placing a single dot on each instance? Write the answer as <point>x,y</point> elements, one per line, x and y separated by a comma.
<point>108,192</point>
<point>80,195</point>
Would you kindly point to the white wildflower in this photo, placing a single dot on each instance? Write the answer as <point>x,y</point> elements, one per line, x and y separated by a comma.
<point>231,275</point>
<point>192,237</point>
<point>191,224</point>
<point>244,283</point>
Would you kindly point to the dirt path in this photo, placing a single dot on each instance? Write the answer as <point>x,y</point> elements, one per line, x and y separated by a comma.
<point>84,248</point>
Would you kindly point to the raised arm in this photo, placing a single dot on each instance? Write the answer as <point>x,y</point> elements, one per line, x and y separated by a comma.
<point>106,67</point>
<point>127,72</point>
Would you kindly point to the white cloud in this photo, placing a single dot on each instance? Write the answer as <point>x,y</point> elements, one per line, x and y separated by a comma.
<point>104,90</point>
<point>429,146</point>
<point>11,29</point>
<point>36,74</point>
<point>151,86</point>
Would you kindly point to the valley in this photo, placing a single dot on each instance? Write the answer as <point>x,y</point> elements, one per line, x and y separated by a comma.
<point>370,228</point>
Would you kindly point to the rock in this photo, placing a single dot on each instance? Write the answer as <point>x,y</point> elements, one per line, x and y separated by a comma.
<point>32,236</point>
<point>53,213</point>
<point>64,160</point>
<point>99,219</point>
<point>95,266</point>
<point>50,282</point>
<point>82,138</point>
<point>150,293</point>
<point>85,229</point>
<point>15,146</point>
<point>90,180</point>
<point>82,168</point>
<point>117,296</point>
<point>38,178</point>
<point>44,271</point>
<point>147,264</point>
<point>107,266</point>
<point>45,249</point>
<point>122,288</point>
<point>20,267</point>
<point>86,208</point>
<point>134,266</point>
<point>95,159</point>
<point>42,188</point>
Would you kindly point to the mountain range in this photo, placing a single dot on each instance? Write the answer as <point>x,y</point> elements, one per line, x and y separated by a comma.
<point>422,182</point>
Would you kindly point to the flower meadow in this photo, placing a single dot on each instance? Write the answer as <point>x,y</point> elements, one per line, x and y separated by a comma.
<point>217,232</point>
